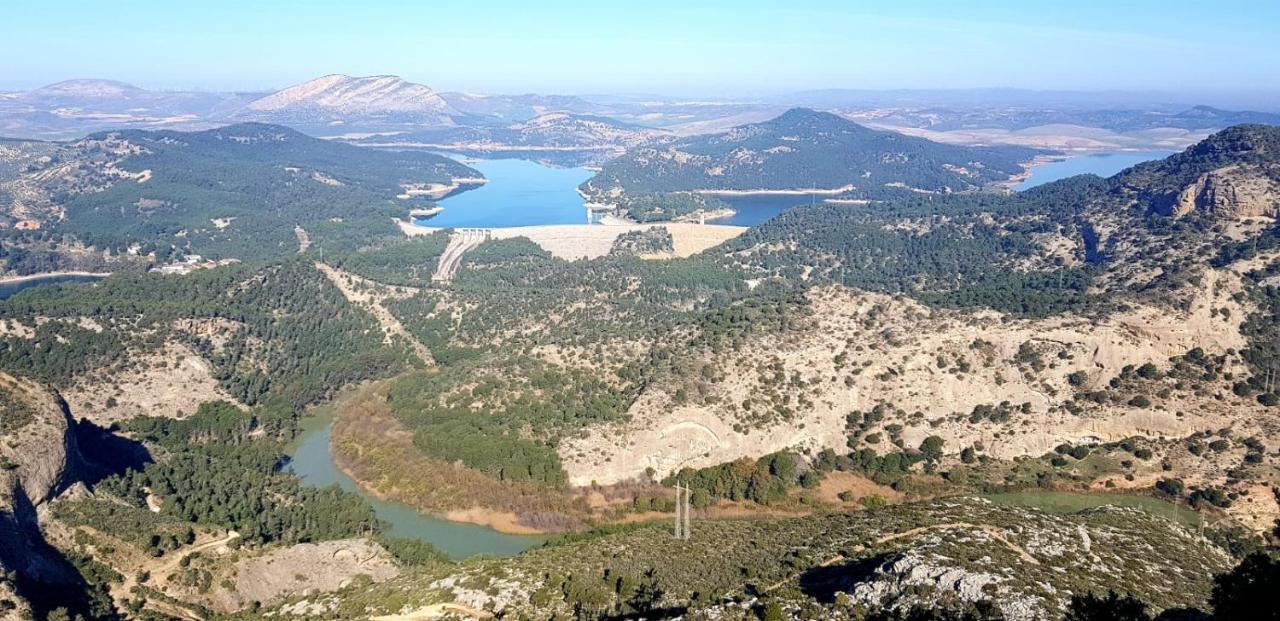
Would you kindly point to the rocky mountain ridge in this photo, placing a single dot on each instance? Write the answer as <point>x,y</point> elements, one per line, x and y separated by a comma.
<point>345,99</point>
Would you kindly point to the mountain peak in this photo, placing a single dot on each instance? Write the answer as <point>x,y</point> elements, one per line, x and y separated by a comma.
<point>87,88</point>
<point>1241,140</point>
<point>798,115</point>
<point>337,95</point>
<point>807,119</point>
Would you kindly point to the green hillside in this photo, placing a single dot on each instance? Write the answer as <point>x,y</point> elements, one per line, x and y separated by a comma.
<point>256,181</point>
<point>804,149</point>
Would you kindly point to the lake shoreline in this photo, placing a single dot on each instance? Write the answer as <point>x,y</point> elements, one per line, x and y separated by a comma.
<point>780,192</point>
<point>503,522</point>
<point>13,280</point>
<point>319,456</point>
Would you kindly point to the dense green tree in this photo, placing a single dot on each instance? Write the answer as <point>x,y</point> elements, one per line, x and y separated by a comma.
<point>1248,591</point>
<point>1111,607</point>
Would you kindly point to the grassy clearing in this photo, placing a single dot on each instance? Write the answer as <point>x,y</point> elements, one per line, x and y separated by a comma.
<point>1073,502</point>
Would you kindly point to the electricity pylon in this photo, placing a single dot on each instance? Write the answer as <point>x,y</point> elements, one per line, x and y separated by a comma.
<point>683,519</point>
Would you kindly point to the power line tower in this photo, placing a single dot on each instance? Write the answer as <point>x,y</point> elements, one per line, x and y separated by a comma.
<point>683,519</point>
<point>687,519</point>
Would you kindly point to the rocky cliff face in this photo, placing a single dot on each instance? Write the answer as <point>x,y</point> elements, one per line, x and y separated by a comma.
<point>38,459</point>
<point>38,447</point>
<point>1237,191</point>
<point>1233,173</point>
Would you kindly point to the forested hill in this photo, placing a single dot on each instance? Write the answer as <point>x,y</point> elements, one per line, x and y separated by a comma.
<point>237,191</point>
<point>1148,227</point>
<point>803,149</point>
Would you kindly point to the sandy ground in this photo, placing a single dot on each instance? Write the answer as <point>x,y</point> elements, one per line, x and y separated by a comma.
<point>437,611</point>
<point>167,382</point>
<point>325,566</point>
<point>835,483</point>
<point>501,521</point>
<point>589,241</point>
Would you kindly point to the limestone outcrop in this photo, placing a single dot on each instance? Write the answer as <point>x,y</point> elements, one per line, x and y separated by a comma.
<point>1237,191</point>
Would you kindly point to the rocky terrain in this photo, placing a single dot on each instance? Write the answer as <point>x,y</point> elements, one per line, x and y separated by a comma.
<point>39,459</point>
<point>859,350</point>
<point>351,100</point>
<point>1027,562</point>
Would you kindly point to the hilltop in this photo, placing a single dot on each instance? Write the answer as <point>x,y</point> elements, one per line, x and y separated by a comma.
<point>353,99</point>
<point>807,150</point>
<point>83,90</point>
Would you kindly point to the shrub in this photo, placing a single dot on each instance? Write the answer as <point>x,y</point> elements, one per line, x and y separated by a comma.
<point>931,448</point>
<point>872,501</point>
<point>1171,487</point>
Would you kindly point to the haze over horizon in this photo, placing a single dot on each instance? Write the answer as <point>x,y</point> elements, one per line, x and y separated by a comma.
<point>757,49</point>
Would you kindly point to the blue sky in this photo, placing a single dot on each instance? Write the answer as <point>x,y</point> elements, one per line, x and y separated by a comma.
<point>707,47</point>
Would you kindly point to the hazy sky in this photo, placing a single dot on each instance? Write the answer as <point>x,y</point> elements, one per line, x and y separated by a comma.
<point>692,47</point>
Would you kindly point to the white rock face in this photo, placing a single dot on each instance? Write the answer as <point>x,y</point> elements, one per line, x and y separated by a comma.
<point>1236,191</point>
<point>341,95</point>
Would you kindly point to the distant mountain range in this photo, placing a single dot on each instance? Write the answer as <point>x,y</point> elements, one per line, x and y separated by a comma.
<point>1119,120</point>
<point>807,150</point>
<point>519,107</point>
<point>344,99</point>
<point>562,138</point>
<point>354,106</point>
<point>73,108</point>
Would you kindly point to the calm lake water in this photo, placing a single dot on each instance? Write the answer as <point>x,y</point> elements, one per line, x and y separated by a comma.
<point>519,193</point>
<point>1101,164</point>
<point>753,210</point>
<point>526,193</point>
<point>9,289</point>
<point>313,461</point>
